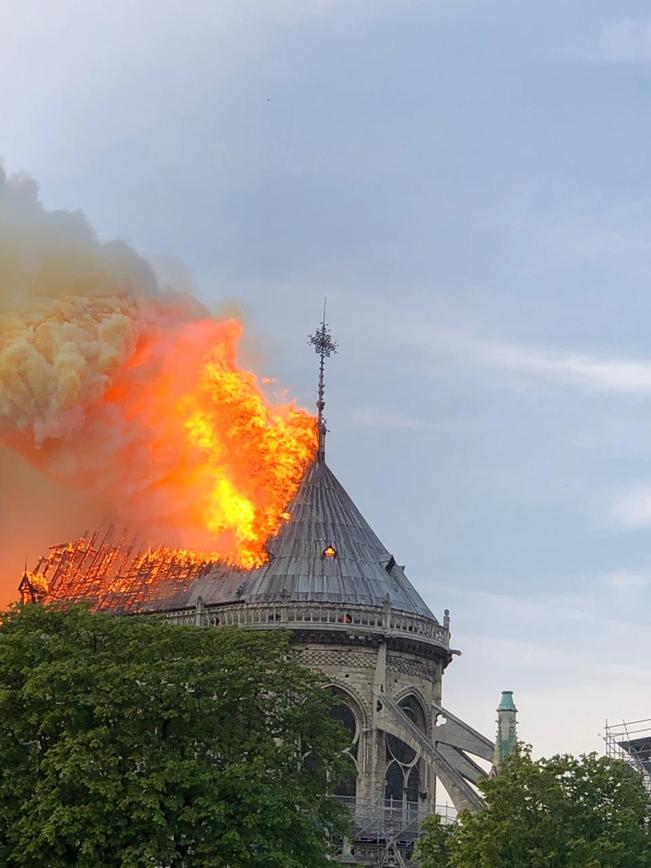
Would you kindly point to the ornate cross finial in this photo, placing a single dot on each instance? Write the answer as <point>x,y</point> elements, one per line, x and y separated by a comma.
<point>324,347</point>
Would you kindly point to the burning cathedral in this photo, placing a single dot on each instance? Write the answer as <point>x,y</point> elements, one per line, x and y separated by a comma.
<point>353,615</point>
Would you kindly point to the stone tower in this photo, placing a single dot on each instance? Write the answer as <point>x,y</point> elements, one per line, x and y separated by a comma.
<point>354,616</point>
<point>507,735</point>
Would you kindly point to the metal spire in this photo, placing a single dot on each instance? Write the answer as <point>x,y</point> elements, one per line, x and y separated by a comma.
<point>324,347</point>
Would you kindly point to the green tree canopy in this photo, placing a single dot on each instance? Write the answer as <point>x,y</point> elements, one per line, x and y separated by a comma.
<point>563,812</point>
<point>133,742</point>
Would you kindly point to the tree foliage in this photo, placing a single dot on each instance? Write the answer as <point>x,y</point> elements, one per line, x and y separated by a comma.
<point>133,742</point>
<point>434,846</point>
<point>562,812</point>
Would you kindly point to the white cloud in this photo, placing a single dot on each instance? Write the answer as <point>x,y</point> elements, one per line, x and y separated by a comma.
<point>627,580</point>
<point>632,510</point>
<point>622,40</point>
<point>372,417</point>
<point>610,375</point>
<point>599,374</point>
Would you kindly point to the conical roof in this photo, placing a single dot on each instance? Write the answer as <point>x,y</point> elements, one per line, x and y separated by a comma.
<point>506,702</point>
<point>322,516</point>
<point>324,552</point>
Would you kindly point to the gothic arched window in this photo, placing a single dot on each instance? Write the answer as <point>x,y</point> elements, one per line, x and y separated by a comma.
<point>414,710</point>
<point>343,711</point>
<point>402,762</point>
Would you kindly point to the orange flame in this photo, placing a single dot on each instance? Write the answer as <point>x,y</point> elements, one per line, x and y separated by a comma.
<point>185,446</point>
<point>228,461</point>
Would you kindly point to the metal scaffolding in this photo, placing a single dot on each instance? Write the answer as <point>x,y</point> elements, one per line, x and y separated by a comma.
<point>631,741</point>
<point>377,820</point>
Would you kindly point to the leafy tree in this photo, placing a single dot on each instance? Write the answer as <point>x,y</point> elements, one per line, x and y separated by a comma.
<point>434,846</point>
<point>134,742</point>
<point>563,812</point>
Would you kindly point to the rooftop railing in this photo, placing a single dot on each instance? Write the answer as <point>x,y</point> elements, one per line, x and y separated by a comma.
<point>296,616</point>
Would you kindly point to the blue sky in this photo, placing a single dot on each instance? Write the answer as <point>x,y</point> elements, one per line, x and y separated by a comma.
<point>468,183</point>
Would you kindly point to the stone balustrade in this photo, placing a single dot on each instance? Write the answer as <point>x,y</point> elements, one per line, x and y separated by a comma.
<point>294,616</point>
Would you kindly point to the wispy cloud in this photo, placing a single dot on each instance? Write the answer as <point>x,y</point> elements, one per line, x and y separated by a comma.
<point>610,375</point>
<point>620,40</point>
<point>632,509</point>
<point>627,580</point>
<point>372,417</point>
<point>565,367</point>
<point>572,610</point>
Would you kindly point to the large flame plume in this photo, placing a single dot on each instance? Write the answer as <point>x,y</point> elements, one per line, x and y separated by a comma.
<point>132,393</point>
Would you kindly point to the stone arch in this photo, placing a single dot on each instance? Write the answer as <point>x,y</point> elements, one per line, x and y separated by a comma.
<point>352,696</point>
<point>421,705</point>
